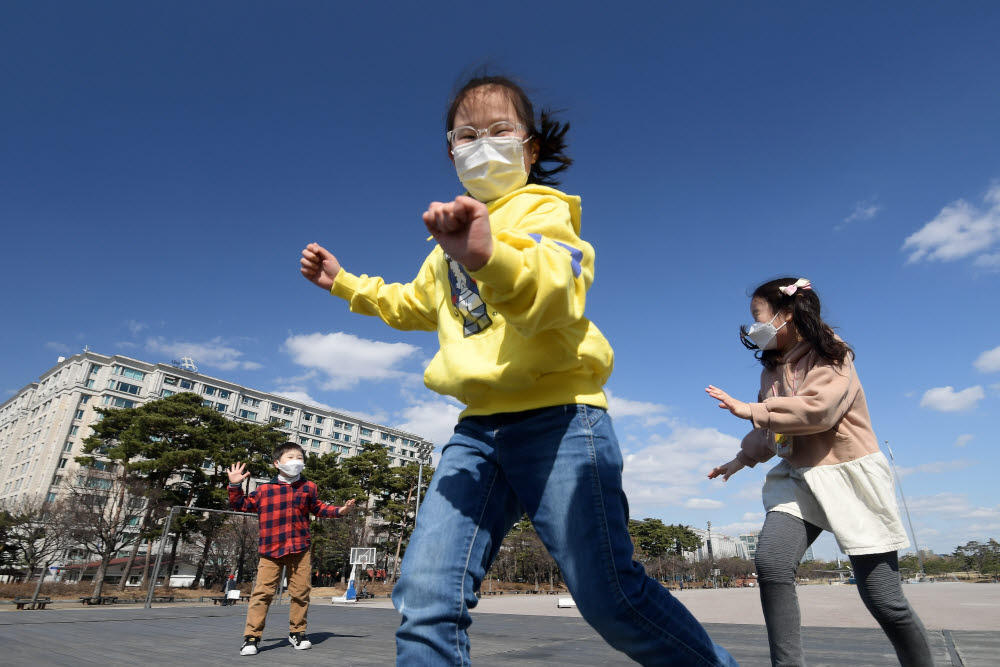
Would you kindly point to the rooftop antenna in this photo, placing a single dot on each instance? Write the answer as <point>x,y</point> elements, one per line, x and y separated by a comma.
<point>920,558</point>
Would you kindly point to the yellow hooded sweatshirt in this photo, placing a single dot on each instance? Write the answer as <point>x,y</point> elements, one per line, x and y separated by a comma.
<point>512,335</point>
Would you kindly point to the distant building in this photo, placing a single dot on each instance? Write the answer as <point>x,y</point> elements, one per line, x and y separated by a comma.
<point>723,546</point>
<point>749,541</point>
<point>43,425</point>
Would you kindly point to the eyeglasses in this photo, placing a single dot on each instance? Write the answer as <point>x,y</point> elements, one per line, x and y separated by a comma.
<point>466,134</point>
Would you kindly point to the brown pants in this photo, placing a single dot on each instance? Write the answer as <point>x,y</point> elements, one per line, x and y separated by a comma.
<point>298,573</point>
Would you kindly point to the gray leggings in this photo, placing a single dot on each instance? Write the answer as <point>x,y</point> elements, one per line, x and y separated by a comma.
<point>783,541</point>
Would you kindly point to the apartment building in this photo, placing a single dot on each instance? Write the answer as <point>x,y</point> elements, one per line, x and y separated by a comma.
<point>42,427</point>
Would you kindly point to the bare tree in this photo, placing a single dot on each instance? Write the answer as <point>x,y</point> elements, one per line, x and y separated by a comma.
<point>36,534</point>
<point>107,508</point>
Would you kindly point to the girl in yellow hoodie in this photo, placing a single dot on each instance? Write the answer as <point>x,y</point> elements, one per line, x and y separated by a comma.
<point>505,289</point>
<point>811,412</point>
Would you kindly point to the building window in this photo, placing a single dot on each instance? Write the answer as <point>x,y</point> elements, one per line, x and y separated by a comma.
<point>307,416</point>
<point>336,436</point>
<point>187,384</point>
<point>223,393</point>
<point>348,427</point>
<point>319,419</point>
<point>128,388</point>
<point>252,402</point>
<point>73,430</point>
<point>315,443</point>
<point>303,441</point>
<point>318,431</point>
<point>221,407</point>
<point>169,379</point>
<point>166,393</point>
<point>68,447</point>
<point>118,402</point>
<point>209,390</point>
<point>78,415</point>
<point>366,431</point>
<point>51,498</point>
<point>62,463</point>
<point>90,384</point>
<point>130,373</point>
<point>207,403</point>
<point>85,399</point>
<point>246,414</point>
<point>347,438</point>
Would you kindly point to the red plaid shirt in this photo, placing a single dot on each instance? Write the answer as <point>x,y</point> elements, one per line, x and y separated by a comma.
<point>284,513</point>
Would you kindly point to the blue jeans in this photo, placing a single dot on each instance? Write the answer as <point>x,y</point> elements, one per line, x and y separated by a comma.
<point>562,466</point>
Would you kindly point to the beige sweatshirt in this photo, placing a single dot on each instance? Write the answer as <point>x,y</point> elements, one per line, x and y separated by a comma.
<point>821,405</point>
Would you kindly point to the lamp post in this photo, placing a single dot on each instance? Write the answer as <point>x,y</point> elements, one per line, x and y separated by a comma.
<point>711,556</point>
<point>920,558</point>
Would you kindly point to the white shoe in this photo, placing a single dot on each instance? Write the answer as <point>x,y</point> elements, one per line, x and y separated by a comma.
<point>299,640</point>
<point>249,646</point>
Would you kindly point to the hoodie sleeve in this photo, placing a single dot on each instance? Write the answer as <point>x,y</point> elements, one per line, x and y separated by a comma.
<point>822,399</point>
<point>540,270</point>
<point>405,306</point>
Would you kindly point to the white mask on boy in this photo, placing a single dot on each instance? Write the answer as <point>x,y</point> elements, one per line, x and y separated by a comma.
<point>491,167</point>
<point>764,334</point>
<point>291,468</point>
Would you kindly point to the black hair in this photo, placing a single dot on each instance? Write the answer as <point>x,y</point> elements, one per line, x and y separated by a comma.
<point>548,134</point>
<point>286,446</point>
<point>805,309</point>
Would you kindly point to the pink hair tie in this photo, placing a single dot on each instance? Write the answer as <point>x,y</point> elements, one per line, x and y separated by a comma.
<point>801,283</point>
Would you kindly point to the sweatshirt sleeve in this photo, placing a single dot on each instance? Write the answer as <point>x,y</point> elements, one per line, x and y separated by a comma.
<point>540,270</point>
<point>755,448</point>
<point>823,398</point>
<point>407,307</point>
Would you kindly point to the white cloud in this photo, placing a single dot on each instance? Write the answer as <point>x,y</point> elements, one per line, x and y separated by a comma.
<point>622,408</point>
<point>953,506</point>
<point>62,348</point>
<point>935,467</point>
<point>304,397</point>
<point>988,361</point>
<point>946,399</point>
<point>136,327</point>
<point>959,230</point>
<point>346,360</point>
<point>216,353</point>
<point>863,210</point>
<point>668,470</point>
<point>433,419</point>
<point>963,440</point>
<point>703,504</point>
<point>988,262</point>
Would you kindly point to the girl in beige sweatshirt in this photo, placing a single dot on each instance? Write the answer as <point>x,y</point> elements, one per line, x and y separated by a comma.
<point>811,412</point>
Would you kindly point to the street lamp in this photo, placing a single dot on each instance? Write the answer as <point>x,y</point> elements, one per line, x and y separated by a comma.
<point>711,556</point>
<point>920,558</point>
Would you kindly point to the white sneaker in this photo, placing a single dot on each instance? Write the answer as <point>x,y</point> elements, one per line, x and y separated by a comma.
<point>299,640</point>
<point>249,645</point>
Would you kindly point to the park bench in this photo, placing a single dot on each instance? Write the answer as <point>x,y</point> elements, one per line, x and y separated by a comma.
<point>26,603</point>
<point>103,599</point>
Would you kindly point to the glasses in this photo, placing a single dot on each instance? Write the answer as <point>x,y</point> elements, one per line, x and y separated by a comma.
<point>466,134</point>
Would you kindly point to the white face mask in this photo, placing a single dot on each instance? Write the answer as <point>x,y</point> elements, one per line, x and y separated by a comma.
<point>292,468</point>
<point>490,167</point>
<point>764,335</point>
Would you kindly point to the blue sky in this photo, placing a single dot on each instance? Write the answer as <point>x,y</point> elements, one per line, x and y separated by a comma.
<point>162,165</point>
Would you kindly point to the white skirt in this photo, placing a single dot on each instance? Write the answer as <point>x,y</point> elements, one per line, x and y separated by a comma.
<point>856,501</point>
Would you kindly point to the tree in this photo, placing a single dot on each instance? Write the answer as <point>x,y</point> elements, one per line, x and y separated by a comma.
<point>35,534</point>
<point>106,508</point>
<point>654,540</point>
<point>180,448</point>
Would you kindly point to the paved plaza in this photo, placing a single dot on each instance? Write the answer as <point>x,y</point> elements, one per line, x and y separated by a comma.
<point>963,619</point>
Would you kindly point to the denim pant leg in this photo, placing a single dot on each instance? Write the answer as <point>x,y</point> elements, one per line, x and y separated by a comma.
<point>565,466</point>
<point>463,519</point>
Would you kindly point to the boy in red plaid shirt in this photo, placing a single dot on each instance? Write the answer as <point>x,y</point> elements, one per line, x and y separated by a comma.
<point>283,505</point>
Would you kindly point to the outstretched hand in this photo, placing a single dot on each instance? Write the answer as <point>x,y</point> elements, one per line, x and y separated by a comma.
<point>346,508</point>
<point>738,408</point>
<point>462,229</point>
<point>319,266</point>
<point>727,470</point>
<point>237,473</point>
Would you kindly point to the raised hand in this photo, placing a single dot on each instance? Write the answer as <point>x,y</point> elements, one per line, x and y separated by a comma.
<point>237,473</point>
<point>727,470</point>
<point>738,408</point>
<point>462,229</point>
<point>319,266</point>
<point>347,507</point>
